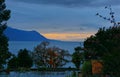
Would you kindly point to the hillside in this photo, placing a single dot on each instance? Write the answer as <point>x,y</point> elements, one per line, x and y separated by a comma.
<point>21,35</point>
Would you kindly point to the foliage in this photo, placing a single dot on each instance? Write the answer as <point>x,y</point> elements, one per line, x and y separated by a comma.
<point>77,57</point>
<point>104,42</point>
<point>105,45</point>
<point>87,68</point>
<point>52,57</point>
<point>74,74</point>
<point>111,63</point>
<point>40,54</point>
<point>4,16</point>
<point>24,59</point>
<point>13,63</point>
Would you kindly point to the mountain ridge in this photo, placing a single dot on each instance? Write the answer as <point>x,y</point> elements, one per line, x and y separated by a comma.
<point>22,35</point>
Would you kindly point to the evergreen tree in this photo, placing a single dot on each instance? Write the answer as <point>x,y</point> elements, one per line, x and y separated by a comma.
<point>4,16</point>
<point>24,59</point>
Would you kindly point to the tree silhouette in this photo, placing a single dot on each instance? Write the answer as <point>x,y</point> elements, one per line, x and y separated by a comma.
<point>105,46</point>
<point>24,59</point>
<point>13,63</point>
<point>111,18</point>
<point>57,57</point>
<point>52,57</point>
<point>4,16</point>
<point>40,54</point>
<point>77,57</point>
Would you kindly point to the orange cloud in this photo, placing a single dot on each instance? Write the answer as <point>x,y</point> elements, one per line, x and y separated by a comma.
<point>68,36</point>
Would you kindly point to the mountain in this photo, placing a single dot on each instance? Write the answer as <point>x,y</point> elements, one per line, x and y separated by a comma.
<point>21,35</point>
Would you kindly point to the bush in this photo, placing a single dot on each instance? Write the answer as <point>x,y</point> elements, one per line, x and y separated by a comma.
<point>87,68</point>
<point>13,63</point>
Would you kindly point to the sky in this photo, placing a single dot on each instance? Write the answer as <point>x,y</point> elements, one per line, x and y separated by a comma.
<point>67,20</point>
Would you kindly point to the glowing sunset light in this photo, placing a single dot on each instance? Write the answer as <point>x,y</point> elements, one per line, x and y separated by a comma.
<point>68,36</point>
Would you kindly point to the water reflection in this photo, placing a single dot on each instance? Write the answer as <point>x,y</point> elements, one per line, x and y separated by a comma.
<point>37,74</point>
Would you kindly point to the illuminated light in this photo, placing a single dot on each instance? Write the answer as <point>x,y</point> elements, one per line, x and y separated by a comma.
<point>68,36</point>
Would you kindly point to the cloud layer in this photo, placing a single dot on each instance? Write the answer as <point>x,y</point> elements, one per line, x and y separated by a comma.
<point>74,3</point>
<point>54,16</point>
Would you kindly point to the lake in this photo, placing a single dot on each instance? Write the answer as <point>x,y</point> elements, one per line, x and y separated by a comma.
<point>15,46</point>
<point>38,74</point>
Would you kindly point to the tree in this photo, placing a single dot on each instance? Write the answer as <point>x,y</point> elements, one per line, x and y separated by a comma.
<point>24,59</point>
<point>57,57</point>
<point>77,56</point>
<point>13,63</point>
<point>111,19</point>
<point>105,46</point>
<point>40,54</point>
<point>53,57</point>
<point>111,61</point>
<point>4,16</point>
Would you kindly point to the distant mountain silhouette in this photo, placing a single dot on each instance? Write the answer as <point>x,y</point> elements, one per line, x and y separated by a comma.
<point>21,35</point>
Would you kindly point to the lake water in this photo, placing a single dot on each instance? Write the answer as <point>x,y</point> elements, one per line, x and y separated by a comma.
<point>15,46</point>
<point>38,74</point>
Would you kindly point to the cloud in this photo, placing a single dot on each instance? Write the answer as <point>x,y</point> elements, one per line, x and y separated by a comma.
<point>48,18</point>
<point>74,3</point>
